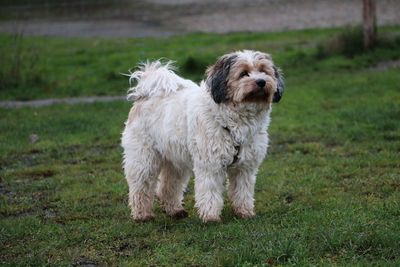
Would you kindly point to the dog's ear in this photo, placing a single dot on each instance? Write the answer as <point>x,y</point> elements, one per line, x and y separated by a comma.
<point>280,86</point>
<point>217,77</point>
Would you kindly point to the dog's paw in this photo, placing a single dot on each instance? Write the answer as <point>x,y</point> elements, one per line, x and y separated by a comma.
<point>244,214</point>
<point>176,212</point>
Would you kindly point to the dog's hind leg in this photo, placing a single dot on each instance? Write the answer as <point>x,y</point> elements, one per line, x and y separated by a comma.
<point>171,186</point>
<point>141,166</point>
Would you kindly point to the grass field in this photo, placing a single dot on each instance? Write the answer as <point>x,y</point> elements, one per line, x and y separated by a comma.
<point>328,193</point>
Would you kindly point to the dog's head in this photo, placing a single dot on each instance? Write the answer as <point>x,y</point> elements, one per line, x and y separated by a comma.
<point>245,76</point>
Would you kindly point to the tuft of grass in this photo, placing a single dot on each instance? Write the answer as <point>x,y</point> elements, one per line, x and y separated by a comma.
<point>19,65</point>
<point>349,43</point>
<point>194,66</point>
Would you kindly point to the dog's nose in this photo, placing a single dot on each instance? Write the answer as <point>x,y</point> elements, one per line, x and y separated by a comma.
<point>260,83</point>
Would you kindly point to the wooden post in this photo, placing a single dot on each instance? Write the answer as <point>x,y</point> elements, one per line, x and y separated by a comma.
<point>369,23</point>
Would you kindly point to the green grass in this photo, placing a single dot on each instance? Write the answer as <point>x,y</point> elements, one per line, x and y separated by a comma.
<point>54,67</point>
<point>328,193</point>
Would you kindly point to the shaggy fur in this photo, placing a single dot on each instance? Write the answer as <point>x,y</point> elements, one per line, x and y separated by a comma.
<point>215,131</point>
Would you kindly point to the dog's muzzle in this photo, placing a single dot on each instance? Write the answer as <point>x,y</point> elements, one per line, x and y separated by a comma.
<point>260,93</point>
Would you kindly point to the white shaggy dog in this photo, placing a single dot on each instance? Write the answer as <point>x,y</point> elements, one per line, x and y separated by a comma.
<point>215,131</point>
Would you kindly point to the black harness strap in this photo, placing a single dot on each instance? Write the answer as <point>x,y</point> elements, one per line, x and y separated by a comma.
<point>237,148</point>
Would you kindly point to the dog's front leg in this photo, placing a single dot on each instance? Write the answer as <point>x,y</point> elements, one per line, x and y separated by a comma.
<point>241,192</point>
<point>209,188</point>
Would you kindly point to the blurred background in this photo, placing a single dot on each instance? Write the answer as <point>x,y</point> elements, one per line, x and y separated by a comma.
<point>35,68</point>
<point>139,18</point>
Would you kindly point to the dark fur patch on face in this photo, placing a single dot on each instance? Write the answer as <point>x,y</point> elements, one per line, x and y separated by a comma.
<point>280,87</point>
<point>217,77</point>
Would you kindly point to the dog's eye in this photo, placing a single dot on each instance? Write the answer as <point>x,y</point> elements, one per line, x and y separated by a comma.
<point>243,73</point>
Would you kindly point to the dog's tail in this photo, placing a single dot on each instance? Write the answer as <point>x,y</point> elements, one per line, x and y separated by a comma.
<point>154,79</point>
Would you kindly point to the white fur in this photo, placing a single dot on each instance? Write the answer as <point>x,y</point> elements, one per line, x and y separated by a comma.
<point>155,79</point>
<point>176,130</point>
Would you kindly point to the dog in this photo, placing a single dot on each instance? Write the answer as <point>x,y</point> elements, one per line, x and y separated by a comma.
<point>215,130</point>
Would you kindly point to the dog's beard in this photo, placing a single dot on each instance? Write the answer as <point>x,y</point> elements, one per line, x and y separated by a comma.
<point>259,95</point>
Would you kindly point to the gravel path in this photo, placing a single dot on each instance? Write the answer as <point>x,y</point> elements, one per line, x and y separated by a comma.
<point>54,101</point>
<point>142,18</point>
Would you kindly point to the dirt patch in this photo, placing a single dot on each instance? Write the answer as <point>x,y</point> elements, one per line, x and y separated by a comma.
<point>34,174</point>
<point>86,262</point>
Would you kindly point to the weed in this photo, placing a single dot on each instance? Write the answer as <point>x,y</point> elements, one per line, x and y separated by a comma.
<point>193,65</point>
<point>20,65</point>
<point>348,43</point>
